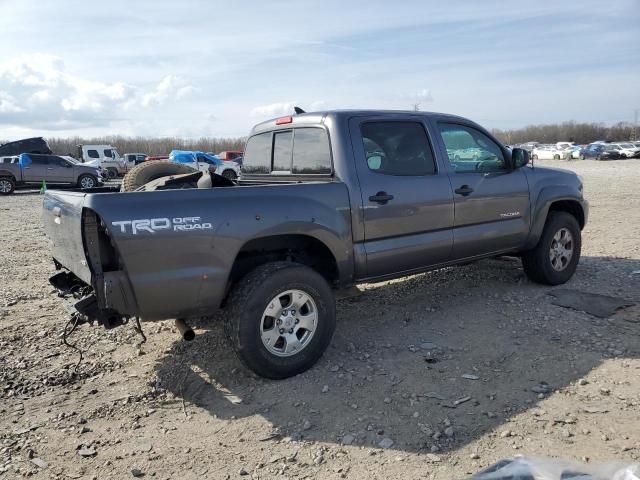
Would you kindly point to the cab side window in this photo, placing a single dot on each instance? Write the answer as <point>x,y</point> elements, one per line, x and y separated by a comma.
<point>397,148</point>
<point>470,150</point>
<point>93,154</point>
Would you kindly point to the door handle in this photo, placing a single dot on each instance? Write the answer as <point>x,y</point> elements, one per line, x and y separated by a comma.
<point>464,190</point>
<point>381,198</point>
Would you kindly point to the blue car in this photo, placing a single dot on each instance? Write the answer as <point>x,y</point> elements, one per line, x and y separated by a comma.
<point>206,162</point>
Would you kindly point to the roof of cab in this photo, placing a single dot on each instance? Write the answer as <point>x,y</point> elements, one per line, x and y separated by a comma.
<point>318,118</point>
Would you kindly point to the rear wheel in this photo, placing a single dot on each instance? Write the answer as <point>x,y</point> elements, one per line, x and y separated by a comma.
<point>554,259</point>
<point>556,157</point>
<point>7,185</point>
<point>111,173</point>
<point>87,181</point>
<point>149,171</point>
<point>535,157</point>
<point>280,319</point>
<point>230,174</point>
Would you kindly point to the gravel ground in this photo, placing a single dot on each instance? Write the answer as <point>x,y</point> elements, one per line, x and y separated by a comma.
<point>432,376</point>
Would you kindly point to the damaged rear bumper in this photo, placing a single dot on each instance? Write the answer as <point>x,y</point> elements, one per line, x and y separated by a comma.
<point>110,307</point>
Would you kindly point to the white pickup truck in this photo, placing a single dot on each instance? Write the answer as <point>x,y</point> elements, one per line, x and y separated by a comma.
<point>106,157</point>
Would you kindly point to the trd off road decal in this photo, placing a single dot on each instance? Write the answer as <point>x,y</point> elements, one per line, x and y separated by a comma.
<point>153,225</point>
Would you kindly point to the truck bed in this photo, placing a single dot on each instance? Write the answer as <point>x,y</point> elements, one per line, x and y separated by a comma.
<point>166,253</point>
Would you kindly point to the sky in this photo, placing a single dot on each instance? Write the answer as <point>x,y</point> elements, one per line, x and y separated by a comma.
<point>196,68</point>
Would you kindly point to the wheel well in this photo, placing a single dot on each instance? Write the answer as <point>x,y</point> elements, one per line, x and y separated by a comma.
<point>570,207</point>
<point>295,248</point>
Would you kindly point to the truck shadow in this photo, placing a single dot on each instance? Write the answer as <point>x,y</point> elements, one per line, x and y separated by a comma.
<point>468,347</point>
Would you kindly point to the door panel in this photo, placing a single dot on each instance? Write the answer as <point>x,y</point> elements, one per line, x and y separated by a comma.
<point>492,212</point>
<point>407,218</point>
<point>35,169</point>
<point>59,170</point>
<point>494,217</point>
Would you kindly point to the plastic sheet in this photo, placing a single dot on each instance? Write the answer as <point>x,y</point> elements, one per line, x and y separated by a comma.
<point>525,468</point>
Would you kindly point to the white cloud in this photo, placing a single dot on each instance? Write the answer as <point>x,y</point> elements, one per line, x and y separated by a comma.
<point>36,91</point>
<point>424,95</point>
<point>171,86</point>
<point>273,109</point>
<point>286,108</point>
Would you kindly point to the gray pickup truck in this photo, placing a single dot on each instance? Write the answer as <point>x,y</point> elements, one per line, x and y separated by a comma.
<point>326,200</point>
<point>29,168</point>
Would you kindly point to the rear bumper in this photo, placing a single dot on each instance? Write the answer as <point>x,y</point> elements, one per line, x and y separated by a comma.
<point>111,307</point>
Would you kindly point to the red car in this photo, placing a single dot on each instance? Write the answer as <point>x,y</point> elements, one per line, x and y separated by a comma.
<point>230,155</point>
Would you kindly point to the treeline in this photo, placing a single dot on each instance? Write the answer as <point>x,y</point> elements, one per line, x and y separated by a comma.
<point>581,133</point>
<point>148,145</point>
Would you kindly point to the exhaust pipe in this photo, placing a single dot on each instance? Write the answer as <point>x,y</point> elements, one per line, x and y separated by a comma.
<point>185,330</point>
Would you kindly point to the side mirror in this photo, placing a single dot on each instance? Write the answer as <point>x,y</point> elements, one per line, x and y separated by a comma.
<point>519,158</point>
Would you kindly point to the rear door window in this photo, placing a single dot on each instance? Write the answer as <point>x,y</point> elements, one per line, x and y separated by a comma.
<point>397,148</point>
<point>107,153</point>
<point>39,160</point>
<point>93,154</point>
<point>311,152</point>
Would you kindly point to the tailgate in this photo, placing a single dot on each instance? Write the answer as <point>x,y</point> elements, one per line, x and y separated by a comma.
<point>62,218</point>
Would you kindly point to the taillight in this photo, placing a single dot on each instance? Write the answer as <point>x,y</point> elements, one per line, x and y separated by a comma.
<point>284,120</point>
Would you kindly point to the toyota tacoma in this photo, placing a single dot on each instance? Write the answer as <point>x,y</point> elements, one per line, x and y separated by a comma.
<point>325,201</point>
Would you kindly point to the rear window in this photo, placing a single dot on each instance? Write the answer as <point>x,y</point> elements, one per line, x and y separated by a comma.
<point>282,151</point>
<point>257,154</point>
<point>274,152</point>
<point>311,152</point>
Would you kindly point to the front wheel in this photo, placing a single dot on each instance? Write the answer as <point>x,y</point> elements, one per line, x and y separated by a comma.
<point>112,173</point>
<point>87,181</point>
<point>534,157</point>
<point>556,157</point>
<point>7,186</point>
<point>554,259</point>
<point>280,319</point>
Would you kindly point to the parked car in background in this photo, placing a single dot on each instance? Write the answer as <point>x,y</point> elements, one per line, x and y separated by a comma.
<point>627,149</point>
<point>106,157</point>
<point>27,145</point>
<point>134,158</point>
<point>205,162</point>
<point>152,158</point>
<point>231,156</point>
<point>574,151</point>
<point>52,169</point>
<point>549,152</point>
<point>565,145</point>
<point>528,146</point>
<point>600,151</point>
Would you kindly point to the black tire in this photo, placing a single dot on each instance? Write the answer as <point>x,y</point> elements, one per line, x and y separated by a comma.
<point>87,181</point>
<point>7,185</point>
<point>111,173</point>
<point>149,171</point>
<point>534,157</point>
<point>582,157</point>
<point>230,174</point>
<point>249,299</point>
<point>556,157</point>
<point>537,264</point>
